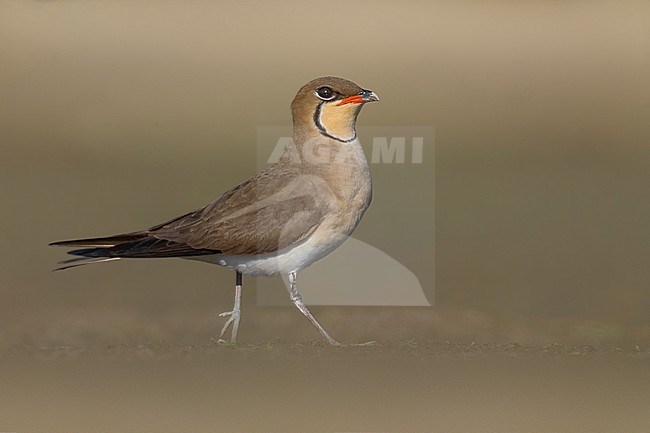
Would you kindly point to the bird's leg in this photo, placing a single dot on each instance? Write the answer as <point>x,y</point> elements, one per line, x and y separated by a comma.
<point>235,314</point>
<point>296,298</point>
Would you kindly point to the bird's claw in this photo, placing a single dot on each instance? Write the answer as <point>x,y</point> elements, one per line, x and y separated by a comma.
<point>233,319</point>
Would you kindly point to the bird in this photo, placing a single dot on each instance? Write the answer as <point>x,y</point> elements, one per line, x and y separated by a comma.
<point>277,223</point>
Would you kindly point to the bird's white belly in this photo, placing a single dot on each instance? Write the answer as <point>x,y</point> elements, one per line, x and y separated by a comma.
<point>283,262</point>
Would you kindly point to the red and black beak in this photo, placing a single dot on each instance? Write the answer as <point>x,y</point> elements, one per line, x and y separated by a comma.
<point>360,98</point>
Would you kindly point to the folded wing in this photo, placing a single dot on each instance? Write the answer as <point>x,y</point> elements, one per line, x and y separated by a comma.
<point>262,215</point>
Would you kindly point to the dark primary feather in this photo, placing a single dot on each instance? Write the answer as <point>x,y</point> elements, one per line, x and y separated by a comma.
<point>107,241</point>
<point>131,245</point>
<point>141,245</point>
<point>147,247</point>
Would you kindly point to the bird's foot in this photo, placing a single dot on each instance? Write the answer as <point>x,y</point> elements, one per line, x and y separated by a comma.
<point>233,319</point>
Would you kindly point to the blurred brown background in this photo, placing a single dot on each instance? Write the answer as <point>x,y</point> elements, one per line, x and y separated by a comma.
<point>115,116</point>
<point>118,116</point>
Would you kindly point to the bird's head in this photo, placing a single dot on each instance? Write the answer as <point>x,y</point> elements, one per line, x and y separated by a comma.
<point>329,106</point>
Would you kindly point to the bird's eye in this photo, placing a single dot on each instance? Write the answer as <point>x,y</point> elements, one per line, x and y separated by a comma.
<point>325,93</point>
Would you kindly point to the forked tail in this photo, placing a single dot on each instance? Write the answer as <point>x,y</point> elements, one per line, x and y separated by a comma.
<point>131,245</point>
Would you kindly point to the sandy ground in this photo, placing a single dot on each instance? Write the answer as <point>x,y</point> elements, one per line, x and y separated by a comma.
<point>277,386</point>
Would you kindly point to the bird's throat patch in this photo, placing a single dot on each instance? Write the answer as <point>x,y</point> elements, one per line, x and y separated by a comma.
<point>337,121</point>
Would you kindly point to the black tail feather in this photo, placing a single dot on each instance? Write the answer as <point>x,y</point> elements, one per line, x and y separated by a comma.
<point>81,261</point>
<point>103,242</point>
<point>148,247</point>
<point>132,245</point>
